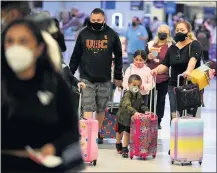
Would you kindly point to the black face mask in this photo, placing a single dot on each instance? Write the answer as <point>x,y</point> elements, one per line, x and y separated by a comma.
<point>73,15</point>
<point>97,26</point>
<point>162,35</point>
<point>133,24</point>
<point>180,36</point>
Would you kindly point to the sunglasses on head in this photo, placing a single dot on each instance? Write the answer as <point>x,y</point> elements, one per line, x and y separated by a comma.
<point>178,55</point>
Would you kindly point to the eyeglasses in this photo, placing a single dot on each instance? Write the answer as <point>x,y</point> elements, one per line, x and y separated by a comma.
<point>178,55</point>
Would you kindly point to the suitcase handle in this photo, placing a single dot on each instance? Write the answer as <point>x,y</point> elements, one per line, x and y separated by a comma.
<point>113,93</point>
<point>178,85</point>
<point>155,96</point>
<point>79,105</point>
<point>178,79</point>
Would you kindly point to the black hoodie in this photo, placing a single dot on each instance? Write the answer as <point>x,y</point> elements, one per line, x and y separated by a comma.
<point>93,54</point>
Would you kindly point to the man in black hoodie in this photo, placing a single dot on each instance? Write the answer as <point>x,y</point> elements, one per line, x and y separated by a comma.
<point>93,52</point>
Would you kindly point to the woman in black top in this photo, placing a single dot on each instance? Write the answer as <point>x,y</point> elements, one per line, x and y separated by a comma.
<point>38,109</point>
<point>179,59</point>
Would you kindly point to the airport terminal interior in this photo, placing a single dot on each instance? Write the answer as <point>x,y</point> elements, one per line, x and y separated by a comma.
<point>119,19</point>
<point>109,160</point>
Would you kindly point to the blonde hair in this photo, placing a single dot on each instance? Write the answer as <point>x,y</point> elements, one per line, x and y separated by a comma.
<point>169,37</point>
<point>189,28</point>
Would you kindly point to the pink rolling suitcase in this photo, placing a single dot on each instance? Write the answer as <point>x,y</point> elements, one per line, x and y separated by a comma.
<point>144,133</point>
<point>89,137</point>
<point>186,139</point>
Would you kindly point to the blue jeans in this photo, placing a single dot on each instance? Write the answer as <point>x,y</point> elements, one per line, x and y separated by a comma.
<point>172,98</point>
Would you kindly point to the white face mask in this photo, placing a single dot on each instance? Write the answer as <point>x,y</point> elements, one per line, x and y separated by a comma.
<point>134,89</point>
<point>19,58</point>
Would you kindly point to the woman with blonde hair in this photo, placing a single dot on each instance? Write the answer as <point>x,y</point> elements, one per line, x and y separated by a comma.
<point>183,57</point>
<point>157,49</point>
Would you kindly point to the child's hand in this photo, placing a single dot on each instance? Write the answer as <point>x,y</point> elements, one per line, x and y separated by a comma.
<point>142,87</point>
<point>81,85</point>
<point>156,60</point>
<point>136,115</point>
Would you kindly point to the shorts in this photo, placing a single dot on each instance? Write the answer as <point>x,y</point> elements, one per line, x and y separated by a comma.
<point>95,96</point>
<point>121,128</point>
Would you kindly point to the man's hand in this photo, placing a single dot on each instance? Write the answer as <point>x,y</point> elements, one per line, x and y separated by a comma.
<point>81,85</point>
<point>118,83</point>
<point>48,149</point>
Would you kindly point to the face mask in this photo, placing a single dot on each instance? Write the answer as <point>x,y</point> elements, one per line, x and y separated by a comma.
<point>134,89</point>
<point>139,65</point>
<point>162,35</point>
<point>73,15</point>
<point>133,24</point>
<point>19,58</point>
<point>180,36</point>
<point>97,26</point>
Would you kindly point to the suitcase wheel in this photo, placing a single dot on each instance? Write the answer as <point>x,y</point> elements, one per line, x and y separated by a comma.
<point>94,162</point>
<point>172,162</point>
<point>200,162</point>
<point>182,164</point>
<point>143,158</point>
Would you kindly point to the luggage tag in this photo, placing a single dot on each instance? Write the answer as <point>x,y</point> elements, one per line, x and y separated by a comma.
<point>47,161</point>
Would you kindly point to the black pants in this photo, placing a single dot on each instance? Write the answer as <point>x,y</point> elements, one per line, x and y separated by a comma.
<point>206,55</point>
<point>162,89</point>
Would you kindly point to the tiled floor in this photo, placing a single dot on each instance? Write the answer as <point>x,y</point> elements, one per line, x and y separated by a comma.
<point>109,161</point>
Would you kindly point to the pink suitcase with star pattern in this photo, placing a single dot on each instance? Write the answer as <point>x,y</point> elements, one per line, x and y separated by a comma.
<point>88,141</point>
<point>88,137</point>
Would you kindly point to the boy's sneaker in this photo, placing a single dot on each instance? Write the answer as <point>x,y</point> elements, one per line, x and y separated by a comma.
<point>125,152</point>
<point>100,139</point>
<point>119,148</point>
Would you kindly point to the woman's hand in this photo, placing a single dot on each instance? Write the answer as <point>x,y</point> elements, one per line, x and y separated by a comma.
<point>186,74</point>
<point>154,72</point>
<point>151,56</point>
<point>156,60</point>
<point>81,85</point>
<point>48,149</point>
<point>212,73</point>
<point>142,87</point>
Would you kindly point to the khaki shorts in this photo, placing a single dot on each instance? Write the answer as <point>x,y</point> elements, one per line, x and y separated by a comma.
<point>95,96</point>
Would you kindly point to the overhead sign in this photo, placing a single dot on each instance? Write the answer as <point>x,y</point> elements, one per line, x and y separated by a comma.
<point>170,7</point>
<point>136,5</point>
<point>159,4</point>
